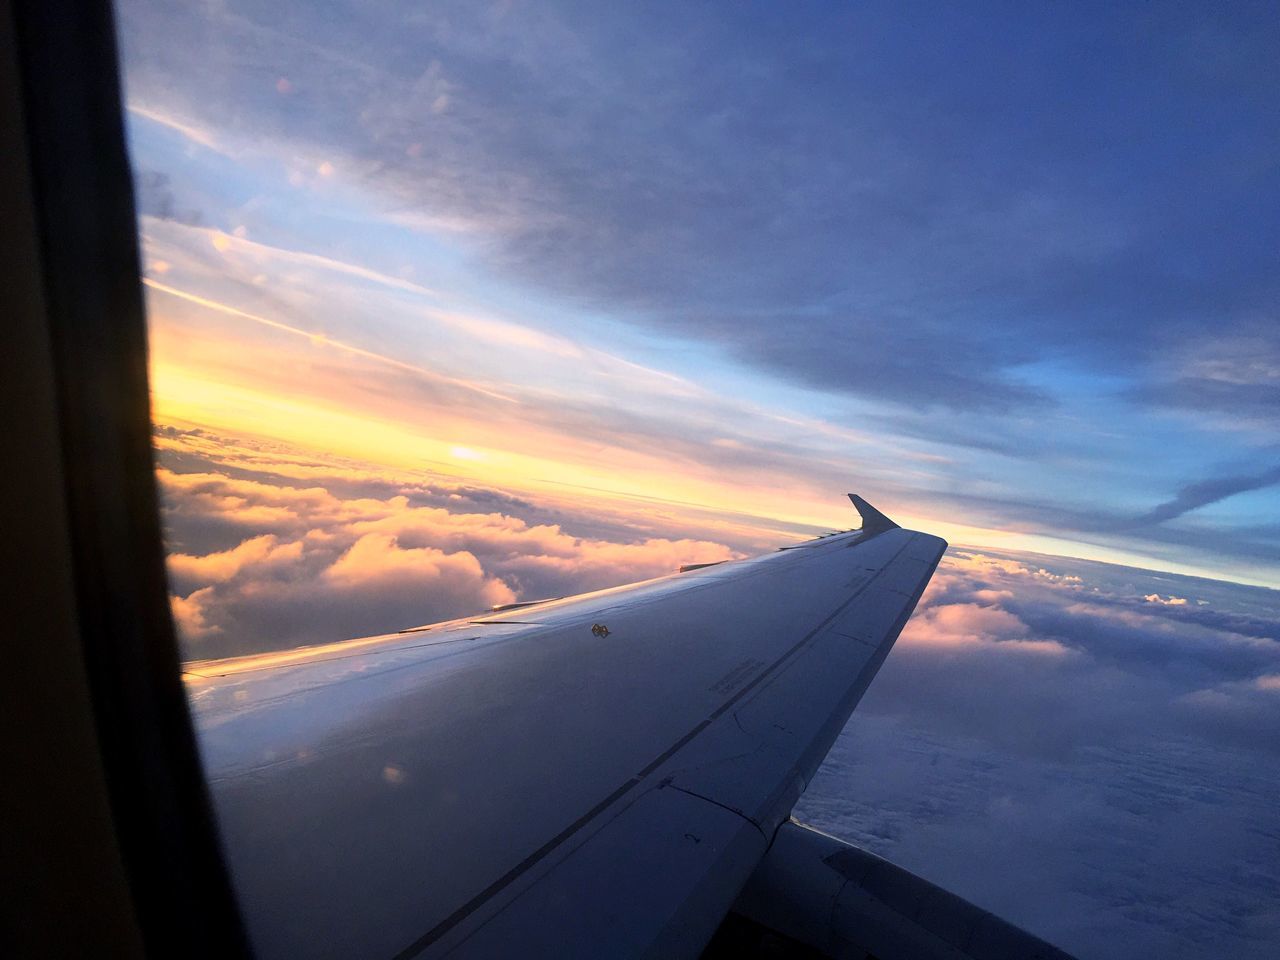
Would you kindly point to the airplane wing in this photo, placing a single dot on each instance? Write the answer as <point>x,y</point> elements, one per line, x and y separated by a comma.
<point>597,776</point>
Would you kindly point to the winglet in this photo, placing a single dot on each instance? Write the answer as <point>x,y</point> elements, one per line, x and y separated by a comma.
<point>873,521</point>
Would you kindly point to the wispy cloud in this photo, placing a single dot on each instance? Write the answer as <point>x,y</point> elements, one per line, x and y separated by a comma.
<point>1206,492</point>
<point>323,340</point>
<point>195,134</point>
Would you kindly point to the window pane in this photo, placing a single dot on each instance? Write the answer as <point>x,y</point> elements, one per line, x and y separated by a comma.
<point>459,306</point>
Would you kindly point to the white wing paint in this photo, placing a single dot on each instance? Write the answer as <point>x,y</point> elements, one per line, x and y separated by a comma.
<point>597,776</point>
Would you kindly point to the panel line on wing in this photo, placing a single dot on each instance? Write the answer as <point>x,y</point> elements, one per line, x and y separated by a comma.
<point>807,637</point>
<point>714,802</point>
<point>464,911</point>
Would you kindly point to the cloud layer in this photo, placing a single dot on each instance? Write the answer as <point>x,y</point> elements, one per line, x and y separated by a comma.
<point>1088,750</point>
<point>261,560</point>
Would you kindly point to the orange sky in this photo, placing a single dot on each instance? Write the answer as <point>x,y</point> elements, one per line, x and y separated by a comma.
<point>578,422</point>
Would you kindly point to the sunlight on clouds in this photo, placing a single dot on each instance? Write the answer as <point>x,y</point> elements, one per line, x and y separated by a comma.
<point>579,416</point>
<point>664,457</point>
<point>189,614</point>
<point>183,397</point>
<point>260,562</point>
<point>379,559</point>
<point>511,337</point>
<point>220,567</point>
<point>1170,601</point>
<point>958,626</point>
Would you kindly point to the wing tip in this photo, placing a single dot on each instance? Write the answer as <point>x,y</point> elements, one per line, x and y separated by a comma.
<point>873,521</point>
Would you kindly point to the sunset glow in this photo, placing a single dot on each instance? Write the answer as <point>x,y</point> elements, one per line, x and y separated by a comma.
<point>385,297</point>
<point>457,305</point>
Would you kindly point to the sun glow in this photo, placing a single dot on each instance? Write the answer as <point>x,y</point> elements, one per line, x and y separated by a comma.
<point>628,435</point>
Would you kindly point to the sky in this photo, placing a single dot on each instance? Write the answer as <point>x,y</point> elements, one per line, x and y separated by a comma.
<point>1010,271</point>
<point>457,304</point>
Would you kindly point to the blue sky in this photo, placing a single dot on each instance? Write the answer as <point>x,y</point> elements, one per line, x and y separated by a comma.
<point>1012,267</point>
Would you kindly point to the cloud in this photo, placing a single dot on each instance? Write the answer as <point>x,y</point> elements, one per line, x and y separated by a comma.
<point>1045,739</point>
<point>257,553</point>
<point>267,563</point>
<point>962,625</point>
<point>1052,743</point>
<point>319,339</point>
<point>153,196</point>
<point>931,239</point>
<point>796,228</point>
<point>1232,380</point>
<point>582,408</point>
<point>1206,492</point>
<point>189,614</point>
<point>542,553</point>
<point>194,134</point>
<point>376,564</point>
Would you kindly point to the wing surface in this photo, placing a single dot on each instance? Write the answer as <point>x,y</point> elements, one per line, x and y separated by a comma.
<point>592,776</point>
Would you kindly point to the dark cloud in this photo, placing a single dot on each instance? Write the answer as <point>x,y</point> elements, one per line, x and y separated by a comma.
<point>154,196</point>
<point>1206,492</point>
<point>1251,402</point>
<point>860,200</point>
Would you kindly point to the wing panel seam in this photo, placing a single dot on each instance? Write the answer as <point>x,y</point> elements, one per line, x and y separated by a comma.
<point>463,912</point>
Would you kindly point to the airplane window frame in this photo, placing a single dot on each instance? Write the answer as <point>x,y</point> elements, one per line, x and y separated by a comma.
<point>71,131</point>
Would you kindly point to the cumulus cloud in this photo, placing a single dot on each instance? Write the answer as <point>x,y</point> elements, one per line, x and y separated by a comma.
<point>257,552</point>
<point>264,560</point>
<point>189,614</point>
<point>1054,739</point>
<point>960,625</point>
